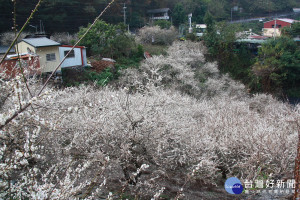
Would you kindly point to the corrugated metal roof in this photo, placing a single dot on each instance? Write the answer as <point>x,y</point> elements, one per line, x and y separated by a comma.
<point>287,20</point>
<point>252,41</point>
<point>284,20</point>
<point>160,10</point>
<point>41,42</point>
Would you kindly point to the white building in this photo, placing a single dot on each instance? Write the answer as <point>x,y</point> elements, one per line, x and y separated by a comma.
<point>200,29</point>
<point>77,56</point>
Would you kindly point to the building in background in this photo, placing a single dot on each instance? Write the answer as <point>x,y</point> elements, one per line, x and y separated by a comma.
<point>159,14</point>
<point>273,28</point>
<point>46,49</point>
<point>51,53</point>
<point>77,57</point>
<point>200,29</point>
<point>296,10</point>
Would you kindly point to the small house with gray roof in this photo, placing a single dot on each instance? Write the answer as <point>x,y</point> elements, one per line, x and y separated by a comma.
<point>46,49</point>
<point>51,53</point>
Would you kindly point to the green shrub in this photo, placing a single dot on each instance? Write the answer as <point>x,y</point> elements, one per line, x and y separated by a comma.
<point>73,76</point>
<point>191,36</point>
<point>108,40</point>
<point>102,78</point>
<point>278,65</point>
<point>163,24</point>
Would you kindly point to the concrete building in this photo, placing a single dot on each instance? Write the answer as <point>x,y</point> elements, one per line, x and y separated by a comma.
<point>46,49</point>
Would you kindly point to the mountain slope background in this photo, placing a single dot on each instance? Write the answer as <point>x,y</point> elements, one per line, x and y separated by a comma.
<point>68,16</point>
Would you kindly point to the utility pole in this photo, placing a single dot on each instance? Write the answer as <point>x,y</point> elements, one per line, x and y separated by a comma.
<point>124,10</point>
<point>275,27</point>
<point>190,23</point>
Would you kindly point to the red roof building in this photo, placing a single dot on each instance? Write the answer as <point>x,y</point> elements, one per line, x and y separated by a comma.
<point>272,28</point>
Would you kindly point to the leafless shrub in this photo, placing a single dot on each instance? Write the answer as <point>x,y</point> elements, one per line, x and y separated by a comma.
<point>156,35</point>
<point>184,68</point>
<point>64,38</point>
<point>8,37</point>
<point>169,131</point>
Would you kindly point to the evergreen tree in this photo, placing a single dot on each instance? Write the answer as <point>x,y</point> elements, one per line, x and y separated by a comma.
<point>278,66</point>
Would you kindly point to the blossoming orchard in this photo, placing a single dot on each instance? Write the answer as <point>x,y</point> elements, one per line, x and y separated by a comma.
<point>169,129</point>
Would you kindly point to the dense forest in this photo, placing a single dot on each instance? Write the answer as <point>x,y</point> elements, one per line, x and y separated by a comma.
<point>68,16</point>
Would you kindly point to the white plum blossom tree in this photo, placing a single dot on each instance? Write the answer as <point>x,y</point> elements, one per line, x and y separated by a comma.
<point>173,122</point>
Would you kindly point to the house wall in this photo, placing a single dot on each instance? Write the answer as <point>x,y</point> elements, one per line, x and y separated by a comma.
<point>270,32</point>
<point>278,23</point>
<point>22,47</point>
<point>48,66</point>
<point>84,57</point>
<point>70,62</point>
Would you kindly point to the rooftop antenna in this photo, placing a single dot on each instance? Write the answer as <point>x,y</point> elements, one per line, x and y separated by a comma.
<point>275,27</point>
<point>34,27</point>
<point>42,28</point>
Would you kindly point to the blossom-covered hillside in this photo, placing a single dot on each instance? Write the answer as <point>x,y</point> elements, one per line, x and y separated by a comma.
<point>170,129</point>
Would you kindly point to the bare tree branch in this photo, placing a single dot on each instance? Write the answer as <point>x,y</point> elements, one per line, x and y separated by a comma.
<point>27,105</point>
<point>22,29</point>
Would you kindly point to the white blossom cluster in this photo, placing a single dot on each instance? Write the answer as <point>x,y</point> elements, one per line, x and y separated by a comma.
<point>7,38</point>
<point>26,170</point>
<point>156,35</point>
<point>142,138</point>
<point>183,69</point>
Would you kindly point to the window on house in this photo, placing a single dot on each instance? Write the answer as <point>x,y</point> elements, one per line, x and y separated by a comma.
<point>50,57</point>
<point>71,54</point>
<point>279,26</point>
<point>272,26</point>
